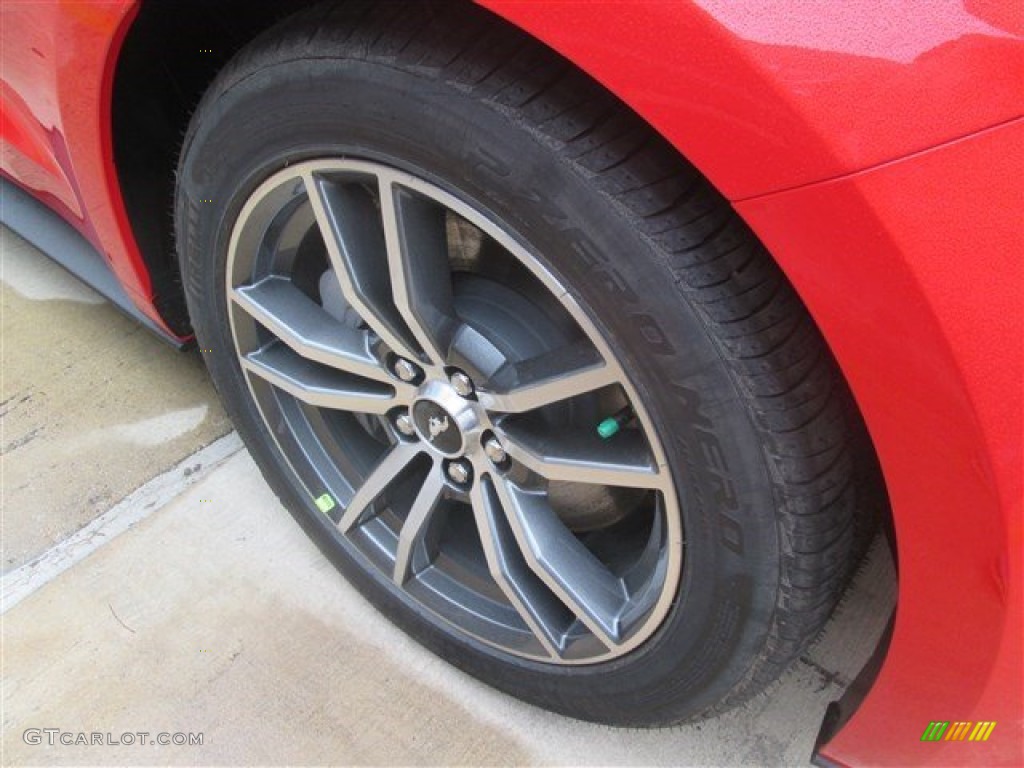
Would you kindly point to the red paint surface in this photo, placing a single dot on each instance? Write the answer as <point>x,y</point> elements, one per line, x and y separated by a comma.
<point>912,268</point>
<point>55,94</point>
<point>771,94</point>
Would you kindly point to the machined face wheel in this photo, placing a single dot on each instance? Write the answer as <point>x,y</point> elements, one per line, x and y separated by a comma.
<point>453,411</point>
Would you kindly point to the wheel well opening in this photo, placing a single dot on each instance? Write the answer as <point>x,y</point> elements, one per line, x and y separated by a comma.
<point>170,55</point>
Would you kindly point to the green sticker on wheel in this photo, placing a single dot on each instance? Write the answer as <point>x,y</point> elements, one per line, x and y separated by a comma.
<point>325,503</point>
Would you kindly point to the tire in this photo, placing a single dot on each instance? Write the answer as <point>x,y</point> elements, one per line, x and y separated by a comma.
<point>576,240</point>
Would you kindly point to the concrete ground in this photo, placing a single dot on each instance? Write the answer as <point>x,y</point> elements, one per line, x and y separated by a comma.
<point>91,404</point>
<point>152,583</point>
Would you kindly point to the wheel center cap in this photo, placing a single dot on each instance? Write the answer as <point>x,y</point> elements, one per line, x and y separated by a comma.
<point>443,418</point>
<point>437,427</point>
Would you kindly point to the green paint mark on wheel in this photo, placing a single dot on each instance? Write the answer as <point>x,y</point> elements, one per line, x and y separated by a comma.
<point>325,503</point>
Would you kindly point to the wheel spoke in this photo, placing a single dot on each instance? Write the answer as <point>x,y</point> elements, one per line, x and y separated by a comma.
<point>582,456</point>
<point>535,603</point>
<point>395,460</point>
<point>417,247</point>
<point>307,329</point>
<point>353,233</point>
<point>549,378</point>
<point>563,563</point>
<point>414,549</point>
<point>318,385</point>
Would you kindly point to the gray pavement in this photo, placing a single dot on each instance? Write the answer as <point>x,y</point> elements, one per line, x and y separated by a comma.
<point>185,600</point>
<point>92,405</point>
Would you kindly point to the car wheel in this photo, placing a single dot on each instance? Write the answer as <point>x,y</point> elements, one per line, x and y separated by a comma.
<point>521,373</point>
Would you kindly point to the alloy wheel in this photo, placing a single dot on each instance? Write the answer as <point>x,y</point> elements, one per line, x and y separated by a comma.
<point>453,411</point>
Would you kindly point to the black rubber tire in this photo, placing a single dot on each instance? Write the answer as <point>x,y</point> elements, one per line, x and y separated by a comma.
<point>747,399</point>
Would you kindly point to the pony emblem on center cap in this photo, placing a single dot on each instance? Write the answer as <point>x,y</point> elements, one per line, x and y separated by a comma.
<point>437,425</point>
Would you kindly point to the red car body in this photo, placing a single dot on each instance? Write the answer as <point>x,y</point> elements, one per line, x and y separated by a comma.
<point>876,147</point>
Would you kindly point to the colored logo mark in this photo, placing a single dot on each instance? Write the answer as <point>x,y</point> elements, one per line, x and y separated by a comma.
<point>958,731</point>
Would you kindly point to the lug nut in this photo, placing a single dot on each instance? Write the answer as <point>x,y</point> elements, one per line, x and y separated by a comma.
<point>403,423</point>
<point>462,384</point>
<point>495,450</point>
<point>405,370</point>
<point>458,471</point>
